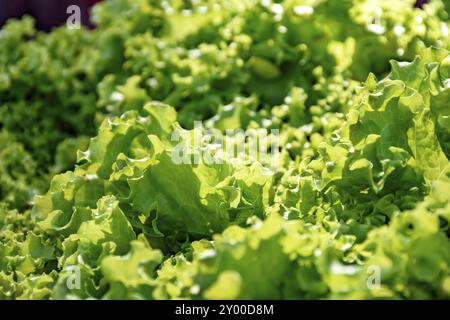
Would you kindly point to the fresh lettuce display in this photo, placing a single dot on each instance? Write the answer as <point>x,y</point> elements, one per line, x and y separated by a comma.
<point>95,204</point>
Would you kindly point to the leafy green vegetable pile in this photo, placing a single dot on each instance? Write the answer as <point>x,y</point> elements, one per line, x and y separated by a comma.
<point>359,207</point>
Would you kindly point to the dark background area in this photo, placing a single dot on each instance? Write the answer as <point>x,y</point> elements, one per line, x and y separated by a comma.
<point>48,13</point>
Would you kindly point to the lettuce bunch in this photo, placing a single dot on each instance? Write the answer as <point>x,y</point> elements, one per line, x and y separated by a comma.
<point>357,208</point>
